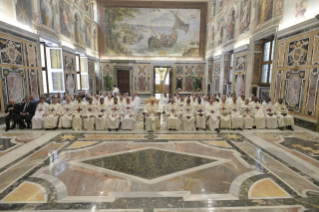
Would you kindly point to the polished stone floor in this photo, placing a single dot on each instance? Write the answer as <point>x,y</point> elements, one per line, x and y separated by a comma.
<point>165,171</point>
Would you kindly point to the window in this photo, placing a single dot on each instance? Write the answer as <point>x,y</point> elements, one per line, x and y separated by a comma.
<point>44,67</point>
<point>267,58</point>
<point>55,69</point>
<point>231,71</point>
<point>78,71</point>
<point>157,79</point>
<point>84,73</point>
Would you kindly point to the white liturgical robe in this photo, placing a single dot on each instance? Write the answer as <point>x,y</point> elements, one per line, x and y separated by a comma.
<point>188,117</point>
<point>259,117</point>
<point>283,121</point>
<point>67,117</point>
<point>152,121</point>
<point>128,119</point>
<point>236,118</point>
<point>225,120</point>
<point>89,117</point>
<point>212,114</point>
<point>115,111</point>
<point>172,112</point>
<point>200,116</point>
<point>271,118</point>
<point>38,118</point>
<point>101,117</point>
<point>247,113</point>
<point>52,116</point>
<point>78,113</point>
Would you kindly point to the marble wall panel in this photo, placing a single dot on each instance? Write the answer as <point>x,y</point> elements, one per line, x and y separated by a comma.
<point>11,52</point>
<point>189,77</point>
<point>142,78</point>
<point>278,84</point>
<point>70,84</point>
<point>294,87</point>
<point>188,84</point>
<point>298,52</point>
<point>69,62</point>
<point>312,94</point>
<point>34,83</point>
<point>31,55</point>
<point>91,67</point>
<point>315,50</point>
<point>240,63</point>
<point>281,55</point>
<point>239,85</point>
<point>179,83</point>
<point>256,70</point>
<point>91,83</point>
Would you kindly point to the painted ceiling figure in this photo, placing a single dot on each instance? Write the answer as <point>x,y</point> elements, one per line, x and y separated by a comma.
<point>245,16</point>
<point>66,20</point>
<point>231,25</point>
<point>78,30</point>
<point>47,13</point>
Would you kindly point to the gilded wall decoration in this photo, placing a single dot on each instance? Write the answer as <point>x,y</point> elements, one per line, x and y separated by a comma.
<point>142,81</point>
<point>91,83</point>
<point>189,70</point>
<point>192,78</point>
<point>65,19</point>
<point>312,94</point>
<point>32,56</point>
<point>298,52</point>
<point>179,70</point>
<point>188,84</point>
<point>239,86</point>
<point>11,52</point>
<point>279,78</point>
<point>216,76</point>
<point>315,50</point>
<point>294,87</point>
<point>179,83</point>
<point>70,85</point>
<point>24,12</point>
<point>245,16</point>
<point>69,61</point>
<point>281,55</point>
<point>34,83</point>
<point>91,67</point>
<point>240,62</point>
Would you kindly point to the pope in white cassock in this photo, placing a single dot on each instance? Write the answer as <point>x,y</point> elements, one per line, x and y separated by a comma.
<point>101,116</point>
<point>213,115</point>
<point>38,118</point>
<point>225,120</point>
<point>284,119</point>
<point>200,115</point>
<point>259,117</point>
<point>172,112</point>
<point>52,114</point>
<point>67,114</point>
<point>151,110</point>
<point>235,113</point>
<point>188,116</point>
<point>78,113</point>
<point>271,119</point>
<point>247,113</point>
<point>114,115</point>
<point>89,115</point>
<point>128,115</point>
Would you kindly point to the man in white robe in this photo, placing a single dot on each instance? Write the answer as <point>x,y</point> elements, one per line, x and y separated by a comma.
<point>96,100</point>
<point>225,120</point>
<point>67,115</point>
<point>284,119</point>
<point>271,119</point>
<point>128,115</point>
<point>235,113</point>
<point>241,100</point>
<point>114,115</point>
<point>89,115</point>
<point>52,114</point>
<point>172,112</point>
<point>151,111</point>
<point>259,116</point>
<point>102,115</point>
<point>200,115</point>
<point>247,113</point>
<point>38,118</point>
<point>78,113</point>
<point>188,116</point>
<point>213,115</point>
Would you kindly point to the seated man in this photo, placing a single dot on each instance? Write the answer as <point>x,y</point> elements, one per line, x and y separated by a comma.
<point>188,116</point>
<point>200,115</point>
<point>52,114</point>
<point>259,117</point>
<point>128,115</point>
<point>78,113</point>
<point>151,110</point>
<point>101,118</point>
<point>67,115</point>
<point>271,119</point>
<point>89,116</point>
<point>235,113</point>
<point>172,112</point>
<point>225,121</point>
<point>13,109</point>
<point>213,115</point>
<point>284,119</point>
<point>38,118</point>
<point>114,115</point>
<point>247,113</point>
<point>26,113</point>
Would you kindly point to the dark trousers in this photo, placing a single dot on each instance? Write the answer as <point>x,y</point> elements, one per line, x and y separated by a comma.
<point>20,119</point>
<point>9,118</point>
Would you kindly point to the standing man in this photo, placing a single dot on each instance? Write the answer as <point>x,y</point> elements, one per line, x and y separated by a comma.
<point>213,115</point>
<point>67,114</point>
<point>13,109</point>
<point>200,115</point>
<point>151,111</point>
<point>27,112</point>
<point>247,113</point>
<point>78,113</point>
<point>284,119</point>
<point>52,114</point>
<point>172,111</point>
<point>258,114</point>
<point>128,115</point>
<point>89,116</point>
<point>115,115</point>
<point>101,118</point>
<point>188,116</point>
<point>236,118</point>
<point>225,121</point>
<point>38,118</point>
<point>115,90</point>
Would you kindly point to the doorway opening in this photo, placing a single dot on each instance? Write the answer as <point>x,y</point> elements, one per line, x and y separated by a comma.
<point>123,81</point>
<point>163,83</point>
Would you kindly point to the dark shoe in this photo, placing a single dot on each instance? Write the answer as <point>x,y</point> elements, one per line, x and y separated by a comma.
<point>28,127</point>
<point>290,127</point>
<point>281,128</point>
<point>7,129</point>
<point>217,130</point>
<point>197,128</point>
<point>254,127</point>
<point>22,127</point>
<point>109,130</point>
<point>117,129</point>
<point>240,129</point>
<point>13,127</point>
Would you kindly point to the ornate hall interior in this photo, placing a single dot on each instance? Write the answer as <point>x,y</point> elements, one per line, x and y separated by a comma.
<point>159,106</point>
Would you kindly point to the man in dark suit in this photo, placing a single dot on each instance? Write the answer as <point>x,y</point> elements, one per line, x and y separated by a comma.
<point>26,113</point>
<point>13,109</point>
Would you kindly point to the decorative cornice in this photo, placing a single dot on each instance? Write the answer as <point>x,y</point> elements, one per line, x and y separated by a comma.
<point>18,32</point>
<point>241,48</point>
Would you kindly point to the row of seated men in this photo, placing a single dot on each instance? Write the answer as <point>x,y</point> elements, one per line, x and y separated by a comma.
<point>77,115</point>
<point>236,114</point>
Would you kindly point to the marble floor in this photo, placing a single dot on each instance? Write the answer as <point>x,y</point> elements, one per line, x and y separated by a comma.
<point>165,171</point>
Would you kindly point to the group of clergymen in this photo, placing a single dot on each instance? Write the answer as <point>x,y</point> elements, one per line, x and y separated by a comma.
<point>84,111</point>
<point>201,112</point>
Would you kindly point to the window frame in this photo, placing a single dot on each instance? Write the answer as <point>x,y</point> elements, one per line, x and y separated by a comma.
<point>78,72</point>
<point>86,73</point>
<point>45,68</point>
<point>231,66</point>
<point>269,62</point>
<point>50,71</point>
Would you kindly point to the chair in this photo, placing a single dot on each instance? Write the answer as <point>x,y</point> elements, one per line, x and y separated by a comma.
<point>159,113</point>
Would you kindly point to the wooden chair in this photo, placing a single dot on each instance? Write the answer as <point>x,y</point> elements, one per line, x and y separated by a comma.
<point>144,114</point>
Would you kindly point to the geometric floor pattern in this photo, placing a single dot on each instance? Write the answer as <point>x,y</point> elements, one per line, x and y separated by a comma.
<point>163,171</point>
